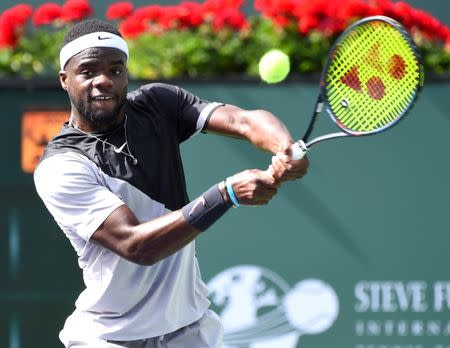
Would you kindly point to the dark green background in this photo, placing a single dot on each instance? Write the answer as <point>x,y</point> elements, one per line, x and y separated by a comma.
<point>372,208</point>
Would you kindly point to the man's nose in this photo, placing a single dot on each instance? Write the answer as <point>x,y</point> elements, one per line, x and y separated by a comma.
<point>102,80</point>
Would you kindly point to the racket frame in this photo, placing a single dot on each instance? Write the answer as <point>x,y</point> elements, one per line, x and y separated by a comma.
<point>322,101</point>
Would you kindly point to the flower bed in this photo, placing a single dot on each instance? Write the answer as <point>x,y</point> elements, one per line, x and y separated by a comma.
<point>214,38</point>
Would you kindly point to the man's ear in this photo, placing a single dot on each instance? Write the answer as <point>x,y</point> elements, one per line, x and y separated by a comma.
<point>62,79</point>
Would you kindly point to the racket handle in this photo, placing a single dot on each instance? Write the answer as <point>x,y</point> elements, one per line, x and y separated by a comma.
<point>298,150</point>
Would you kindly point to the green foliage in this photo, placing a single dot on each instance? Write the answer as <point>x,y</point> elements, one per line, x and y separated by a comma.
<point>435,58</point>
<point>199,52</point>
<point>35,55</point>
<point>205,53</point>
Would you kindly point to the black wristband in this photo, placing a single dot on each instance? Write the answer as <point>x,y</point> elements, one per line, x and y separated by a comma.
<point>203,211</point>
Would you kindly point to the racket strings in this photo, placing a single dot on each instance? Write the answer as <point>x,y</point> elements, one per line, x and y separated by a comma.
<point>376,90</point>
<point>372,78</point>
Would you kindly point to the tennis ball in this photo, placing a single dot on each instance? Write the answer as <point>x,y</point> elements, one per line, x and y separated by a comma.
<point>274,66</point>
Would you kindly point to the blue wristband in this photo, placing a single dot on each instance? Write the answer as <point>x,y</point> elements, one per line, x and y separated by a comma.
<point>231,193</point>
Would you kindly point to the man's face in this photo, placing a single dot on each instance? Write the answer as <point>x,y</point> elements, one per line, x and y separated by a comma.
<point>96,81</point>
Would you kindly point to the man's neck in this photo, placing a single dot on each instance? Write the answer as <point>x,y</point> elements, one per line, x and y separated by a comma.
<point>86,125</point>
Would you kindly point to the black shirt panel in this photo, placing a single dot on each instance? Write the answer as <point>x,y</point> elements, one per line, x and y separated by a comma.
<point>159,118</point>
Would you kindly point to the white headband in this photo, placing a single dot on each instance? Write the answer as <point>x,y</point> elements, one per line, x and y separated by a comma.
<point>98,39</point>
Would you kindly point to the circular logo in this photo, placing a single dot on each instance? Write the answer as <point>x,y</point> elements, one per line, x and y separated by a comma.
<point>259,309</point>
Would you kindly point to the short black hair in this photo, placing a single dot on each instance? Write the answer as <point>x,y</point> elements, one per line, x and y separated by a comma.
<point>88,26</point>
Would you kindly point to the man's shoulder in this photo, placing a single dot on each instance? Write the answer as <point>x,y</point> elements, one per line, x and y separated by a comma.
<point>61,161</point>
<point>158,97</point>
<point>55,170</point>
<point>154,88</point>
<point>68,140</point>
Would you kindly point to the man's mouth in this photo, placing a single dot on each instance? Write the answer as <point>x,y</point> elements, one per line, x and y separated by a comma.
<point>101,98</point>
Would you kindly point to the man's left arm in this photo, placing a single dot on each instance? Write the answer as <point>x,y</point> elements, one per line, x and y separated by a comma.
<point>265,131</point>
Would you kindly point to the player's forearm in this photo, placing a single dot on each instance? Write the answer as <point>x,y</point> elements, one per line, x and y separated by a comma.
<point>159,238</point>
<point>266,131</point>
<point>260,127</point>
<point>149,242</point>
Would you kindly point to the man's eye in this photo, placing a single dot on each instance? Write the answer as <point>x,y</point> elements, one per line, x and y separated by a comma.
<point>116,71</point>
<point>86,73</point>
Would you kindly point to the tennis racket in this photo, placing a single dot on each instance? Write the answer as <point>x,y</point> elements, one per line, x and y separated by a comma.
<point>371,80</point>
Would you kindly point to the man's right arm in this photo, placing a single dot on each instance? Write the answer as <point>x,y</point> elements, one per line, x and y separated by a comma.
<point>149,242</point>
<point>72,193</point>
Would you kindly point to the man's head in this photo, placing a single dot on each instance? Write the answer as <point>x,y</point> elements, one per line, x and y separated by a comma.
<point>93,72</point>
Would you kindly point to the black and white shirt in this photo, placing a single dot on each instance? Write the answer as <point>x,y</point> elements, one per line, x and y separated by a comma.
<point>82,180</point>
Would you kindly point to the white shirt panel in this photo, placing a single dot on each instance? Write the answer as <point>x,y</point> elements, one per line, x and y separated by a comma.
<point>72,190</point>
<point>122,300</point>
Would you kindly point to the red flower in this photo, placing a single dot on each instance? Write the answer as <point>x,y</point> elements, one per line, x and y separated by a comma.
<point>184,15</point>
<point>21,13</point>
<point>275,8</point>
<point>119,10</point>
<point>443,33</point>
<point>281,12</point>
<point>132,27</point>
<point>319,14</point>
<point>306,24</point>
<point>231,18</point>
<point>75,10</point>
<point>261,5</point>
<point>46,13</point>
<point>8,35</point>
<point>168,17</point>
<point>426,24</point>
<point>403,12</point>
<point>380,3</point>
<point>190,14</point>
<point>281,21</point>
<point>12,22</point>
<point>150,13</point>
<point>400,11</point>
<point>354,9</point>
<point>218,5</point>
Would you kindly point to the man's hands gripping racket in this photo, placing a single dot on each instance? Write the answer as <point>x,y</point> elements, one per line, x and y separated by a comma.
<point>371,79</point>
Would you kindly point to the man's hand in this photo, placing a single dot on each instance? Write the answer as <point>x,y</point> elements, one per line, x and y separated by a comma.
<point>253,187</point>
<point>284,168</point>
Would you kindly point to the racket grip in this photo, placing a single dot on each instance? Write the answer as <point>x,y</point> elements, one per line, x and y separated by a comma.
<point>298,150</point>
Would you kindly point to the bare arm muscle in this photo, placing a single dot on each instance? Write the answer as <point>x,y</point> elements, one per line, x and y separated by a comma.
<point>260,127</point>
<point>145,243</point>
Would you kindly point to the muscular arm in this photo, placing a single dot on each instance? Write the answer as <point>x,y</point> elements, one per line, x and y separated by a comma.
<point>265,131</point>
<point>149,242</point>
<point>260,127</point>
<point>145,243</point>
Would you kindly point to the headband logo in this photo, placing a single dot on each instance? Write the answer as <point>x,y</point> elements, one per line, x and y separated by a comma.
<point>103,38</point>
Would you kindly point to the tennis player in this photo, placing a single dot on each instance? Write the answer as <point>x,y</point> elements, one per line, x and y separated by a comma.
<point>113,180</point>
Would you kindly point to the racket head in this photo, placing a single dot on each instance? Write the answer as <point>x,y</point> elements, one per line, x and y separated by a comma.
<point>372,77</point>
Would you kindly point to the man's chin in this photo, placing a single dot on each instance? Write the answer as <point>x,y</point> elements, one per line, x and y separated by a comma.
<point>104,117</point>
<point>101,115</point>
